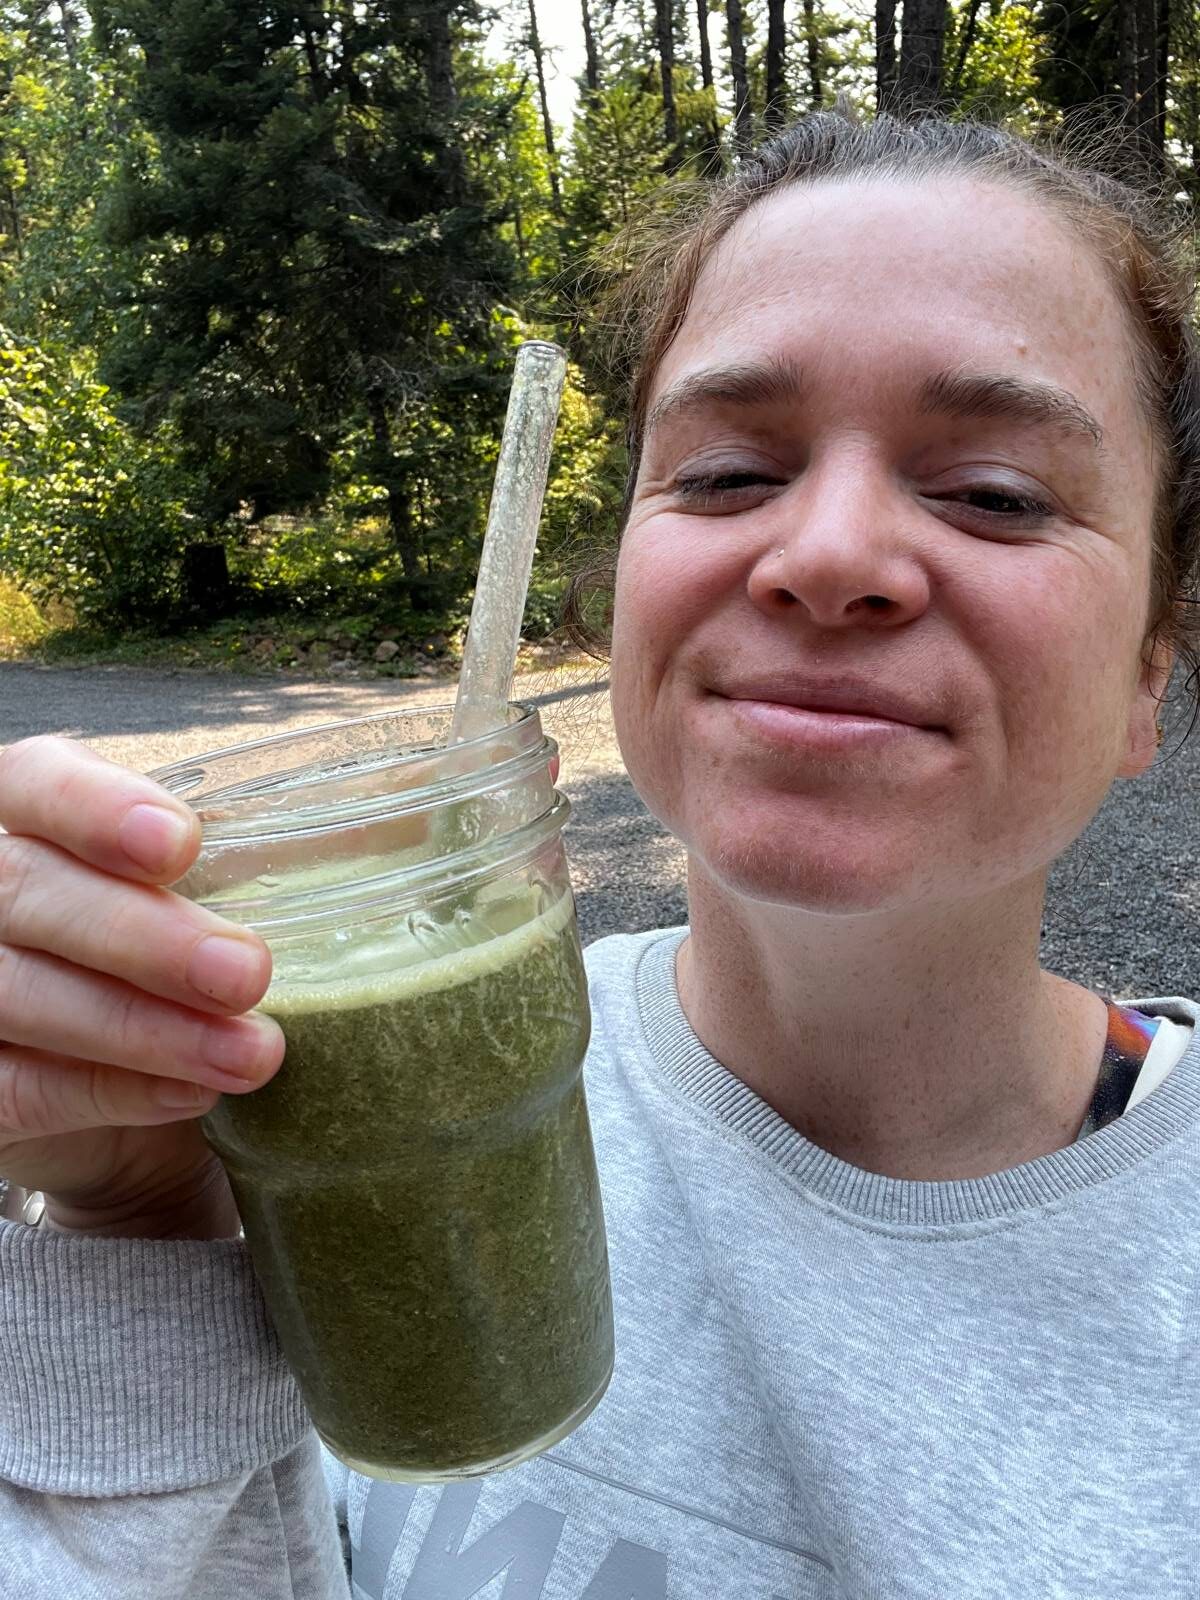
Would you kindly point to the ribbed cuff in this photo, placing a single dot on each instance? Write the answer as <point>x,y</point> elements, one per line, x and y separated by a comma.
<point>136,1366</point>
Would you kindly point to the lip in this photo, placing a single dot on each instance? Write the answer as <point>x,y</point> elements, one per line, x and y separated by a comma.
<point>845,698</point>
<point>799,726</point>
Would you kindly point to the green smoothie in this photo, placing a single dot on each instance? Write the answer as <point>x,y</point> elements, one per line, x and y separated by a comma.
<point>420,1198</point>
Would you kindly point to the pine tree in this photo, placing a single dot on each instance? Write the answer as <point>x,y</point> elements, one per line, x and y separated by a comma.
<point>317,265</point>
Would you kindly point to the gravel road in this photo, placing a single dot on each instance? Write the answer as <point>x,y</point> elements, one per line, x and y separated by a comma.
<point>1123,906</point>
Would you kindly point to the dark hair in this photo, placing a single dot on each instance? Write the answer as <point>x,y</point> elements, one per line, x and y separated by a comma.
<point>1134,227</point>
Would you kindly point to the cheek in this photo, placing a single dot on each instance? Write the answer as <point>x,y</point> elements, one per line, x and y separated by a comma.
<point>672,571</point>
<point>663,590</point>
<point>637,648</point>
<point>1061,654</point>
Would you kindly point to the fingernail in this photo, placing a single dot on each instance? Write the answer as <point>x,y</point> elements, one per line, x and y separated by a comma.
<point>226,969</point>
<point>152,837</point>
<point>241,1048</point>
<point>177,1095</point>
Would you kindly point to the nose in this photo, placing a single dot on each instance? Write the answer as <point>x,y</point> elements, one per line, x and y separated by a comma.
<point>839,548</point>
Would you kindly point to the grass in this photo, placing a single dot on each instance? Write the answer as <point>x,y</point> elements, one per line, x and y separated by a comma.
<point>22,626</point>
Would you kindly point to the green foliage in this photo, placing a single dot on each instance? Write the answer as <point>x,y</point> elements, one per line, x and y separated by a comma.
<point>1078,59</point>
<point>312,564</point>
<point>90,513</point>
<point>263,272</point>
<point>587,476</point>
<point>316,260</point>
<point>1000,72</point>
<point>514,169</point>
<point>22,625</point>
<point>616,161</point>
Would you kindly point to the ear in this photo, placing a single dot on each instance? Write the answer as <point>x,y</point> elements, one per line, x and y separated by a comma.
<point>1141,739</point>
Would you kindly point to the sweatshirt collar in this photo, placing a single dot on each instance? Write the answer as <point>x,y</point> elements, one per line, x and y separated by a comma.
<point>1166,1116</point>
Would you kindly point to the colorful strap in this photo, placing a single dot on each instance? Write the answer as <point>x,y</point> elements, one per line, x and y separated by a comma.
<point>1130,1035</point>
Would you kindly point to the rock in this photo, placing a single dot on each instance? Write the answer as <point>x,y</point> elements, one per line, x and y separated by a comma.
<point>340,668</point>
<point>435,645</point>
<point>320,653</point>
<point>265,647</point>
<point>389,635</point>
<point>428,670</point>
<point>387,650</point>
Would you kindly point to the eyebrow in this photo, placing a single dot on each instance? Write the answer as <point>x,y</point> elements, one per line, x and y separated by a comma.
<point>961,392</point>
<point>958,392</point>
<point>739,385</point>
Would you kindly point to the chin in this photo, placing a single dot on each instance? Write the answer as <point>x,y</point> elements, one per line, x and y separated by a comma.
<point>805,874</point>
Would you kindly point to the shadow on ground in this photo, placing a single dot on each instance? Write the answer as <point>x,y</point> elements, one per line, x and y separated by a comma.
<point>155,701</point>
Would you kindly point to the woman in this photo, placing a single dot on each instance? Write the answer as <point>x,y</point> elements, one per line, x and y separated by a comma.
<point>903,1228</point>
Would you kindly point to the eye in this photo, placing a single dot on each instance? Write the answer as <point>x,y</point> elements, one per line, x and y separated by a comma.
<point>1007,505</point>
<point>713,488</point>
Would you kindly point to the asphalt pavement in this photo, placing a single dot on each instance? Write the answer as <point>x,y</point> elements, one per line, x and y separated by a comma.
<point>1123,905</point>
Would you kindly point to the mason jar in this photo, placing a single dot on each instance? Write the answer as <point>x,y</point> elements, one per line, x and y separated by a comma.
<point>417,1183</point>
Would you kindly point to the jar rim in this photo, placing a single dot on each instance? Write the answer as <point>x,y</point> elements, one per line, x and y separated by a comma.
<point>279,798</point>
<point>398,889</point>
<point>318,793</point>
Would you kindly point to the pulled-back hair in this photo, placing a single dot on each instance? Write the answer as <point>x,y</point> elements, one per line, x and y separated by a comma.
<point>1079,173</point>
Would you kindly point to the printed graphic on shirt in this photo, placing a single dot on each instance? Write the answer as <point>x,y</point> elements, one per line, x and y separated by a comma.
<point>552,1530</point>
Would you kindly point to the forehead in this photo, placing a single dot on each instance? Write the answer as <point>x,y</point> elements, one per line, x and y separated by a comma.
<point>868,285</point>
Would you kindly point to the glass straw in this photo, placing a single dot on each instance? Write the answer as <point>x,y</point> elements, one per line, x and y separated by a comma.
<point>508,544</point>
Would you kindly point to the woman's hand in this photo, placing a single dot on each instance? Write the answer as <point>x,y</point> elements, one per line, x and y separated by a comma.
<point>119,1001</point>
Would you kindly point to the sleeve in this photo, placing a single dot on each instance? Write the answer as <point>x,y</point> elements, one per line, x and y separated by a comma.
<point>153,1443</point>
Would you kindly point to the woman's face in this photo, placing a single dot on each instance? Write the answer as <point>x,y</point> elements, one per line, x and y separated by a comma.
<point>847,475</point>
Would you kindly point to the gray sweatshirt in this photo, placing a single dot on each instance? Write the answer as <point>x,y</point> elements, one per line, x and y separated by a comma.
<point>828,1383</point>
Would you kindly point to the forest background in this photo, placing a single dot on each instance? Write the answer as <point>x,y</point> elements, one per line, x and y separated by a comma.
<point>263,269</point>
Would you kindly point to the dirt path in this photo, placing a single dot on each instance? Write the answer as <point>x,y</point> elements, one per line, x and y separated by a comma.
<point>627,871</point>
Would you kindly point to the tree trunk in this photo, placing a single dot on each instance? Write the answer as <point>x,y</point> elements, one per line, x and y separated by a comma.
<point>922,38</point>
<point>813,46</point>
<point>535,44</point>
<point>664,25</point>
<point>885,55</point>
<point>70,32</point>
<point>964,48</point>
<point>400,525</point>
<point>706,72</point>
<point>316,76</point>
<point>1138,57</point>
<point>1164,71</point>
<point>1148,86</point>
<point>713,162</point>
<point>742,132</point>
<point>775,111</point>
<point>443,97</point>
<point>592,67</point>
<point>1127,54</point>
